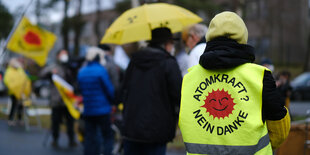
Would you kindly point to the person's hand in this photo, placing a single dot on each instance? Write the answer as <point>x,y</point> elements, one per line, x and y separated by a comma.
<point>280,82</point>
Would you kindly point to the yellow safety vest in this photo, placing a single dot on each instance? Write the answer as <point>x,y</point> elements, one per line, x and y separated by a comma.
<point>221,111</point>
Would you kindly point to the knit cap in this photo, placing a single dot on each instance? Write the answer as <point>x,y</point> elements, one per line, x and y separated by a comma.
<point>227,24</point>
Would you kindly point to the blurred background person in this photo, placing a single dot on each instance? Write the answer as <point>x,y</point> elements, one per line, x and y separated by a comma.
<point>120,57</point>
<point>284,86</point>
<point>182,59</point>
<point>19,87</point>
<point>59,110</point>
<point>98,93</point>
<point>111,67</point>
<point>151,96</point>
<point>266,62</point>
<point>114,71</point>
<point>194,39</point>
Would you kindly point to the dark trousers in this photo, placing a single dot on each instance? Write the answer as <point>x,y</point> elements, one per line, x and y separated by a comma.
<point>58,114</point>
<point>93,138</point>
<point>15,106</point>
<point>138,148</point>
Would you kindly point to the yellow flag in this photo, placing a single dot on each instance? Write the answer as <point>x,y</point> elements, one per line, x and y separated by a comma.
<point>65,89</point>
<point>31,41</point>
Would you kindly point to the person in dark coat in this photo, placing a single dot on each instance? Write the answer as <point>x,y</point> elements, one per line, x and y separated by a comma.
<point>60,112</point>
<point>284,87</point>
<point>98,92</point>
<point>151,96</point>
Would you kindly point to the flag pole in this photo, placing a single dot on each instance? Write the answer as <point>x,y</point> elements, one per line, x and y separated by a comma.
<point>14,28</point>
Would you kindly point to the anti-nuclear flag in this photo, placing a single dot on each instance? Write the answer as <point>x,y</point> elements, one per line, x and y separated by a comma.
<point>66,92</point>
<point>31,41</point>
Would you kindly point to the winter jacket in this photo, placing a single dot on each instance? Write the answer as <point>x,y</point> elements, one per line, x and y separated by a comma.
<point>227,49</point>
<point>96,89</point>
<point>151,96</point>
<point>196,52</point>
<point>222,53</point>
<point>113,71</point>
<point>64,72</point>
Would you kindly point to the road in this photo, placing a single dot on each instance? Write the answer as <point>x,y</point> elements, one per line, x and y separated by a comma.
<point>16,140</point>
<point>299,108</point>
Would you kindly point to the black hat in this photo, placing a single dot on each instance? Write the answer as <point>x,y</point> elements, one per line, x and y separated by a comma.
<point>161,35</point>
<point>104,47</point>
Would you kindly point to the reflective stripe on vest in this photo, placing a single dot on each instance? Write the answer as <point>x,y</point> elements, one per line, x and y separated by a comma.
<point>224,149</point>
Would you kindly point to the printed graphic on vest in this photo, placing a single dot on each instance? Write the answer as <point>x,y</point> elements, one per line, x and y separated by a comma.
<point>220,94</point>
<point>219,104</point>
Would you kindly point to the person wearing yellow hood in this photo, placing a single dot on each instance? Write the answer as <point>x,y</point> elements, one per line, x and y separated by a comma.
<point>229,105</point>
<point>19,88</point>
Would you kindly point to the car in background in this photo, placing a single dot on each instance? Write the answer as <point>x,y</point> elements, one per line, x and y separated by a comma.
<point>42,88</point>
<point>301,87</point>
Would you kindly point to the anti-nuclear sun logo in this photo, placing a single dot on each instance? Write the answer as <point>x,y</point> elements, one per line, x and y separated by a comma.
<point>219,104</point>
<point>32,38</point>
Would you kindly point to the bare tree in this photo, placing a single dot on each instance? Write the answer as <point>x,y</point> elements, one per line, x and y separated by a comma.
<point>306,64</point>
<point>6,21</point>
<point>65,22</point>
<point>38,11</point>
<point>65,26</point>
<point>97,21</point>
<point>78,24</point>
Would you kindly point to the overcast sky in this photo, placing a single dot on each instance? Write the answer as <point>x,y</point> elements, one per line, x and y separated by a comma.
<point>55,15</point>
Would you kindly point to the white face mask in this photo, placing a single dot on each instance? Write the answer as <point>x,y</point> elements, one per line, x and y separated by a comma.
<point>64,58</point>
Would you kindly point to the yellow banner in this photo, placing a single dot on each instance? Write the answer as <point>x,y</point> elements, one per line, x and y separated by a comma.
<point>66,91</point>
<point>32,41</point>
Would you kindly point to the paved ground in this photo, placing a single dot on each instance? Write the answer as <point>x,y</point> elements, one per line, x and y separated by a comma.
<point>17,141</point>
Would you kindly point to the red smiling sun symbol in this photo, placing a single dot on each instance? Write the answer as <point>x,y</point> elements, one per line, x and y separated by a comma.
<point>219,104</point>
